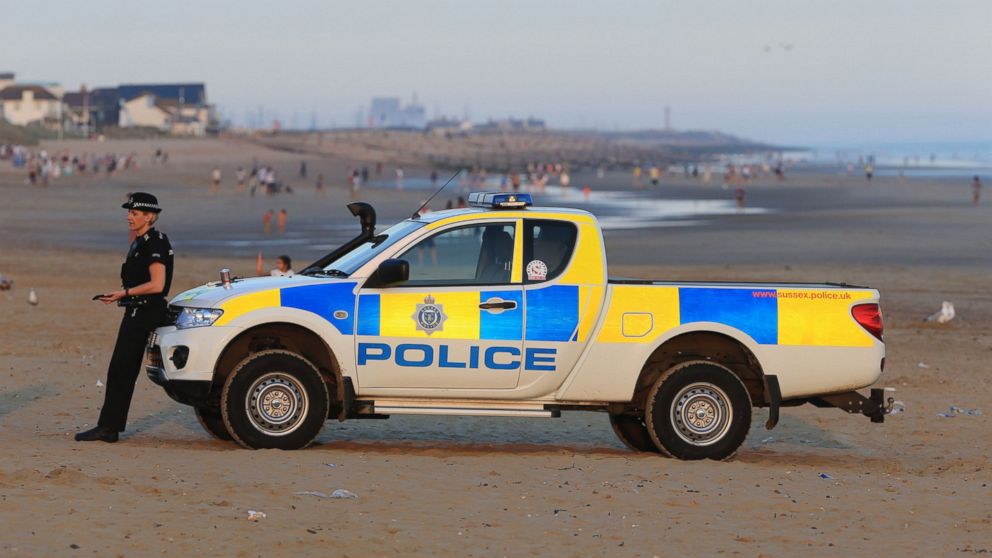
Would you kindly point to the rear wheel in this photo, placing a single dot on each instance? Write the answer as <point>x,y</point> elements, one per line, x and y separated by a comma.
<point>632,432</point>
<point>698,410</point>
<point>211,420</point>
<point>275,399</point>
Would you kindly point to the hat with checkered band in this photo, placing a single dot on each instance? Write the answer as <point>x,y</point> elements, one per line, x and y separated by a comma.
<point>142,202</point>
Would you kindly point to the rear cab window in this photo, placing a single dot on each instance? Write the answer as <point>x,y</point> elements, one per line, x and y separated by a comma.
<point>548,248</point>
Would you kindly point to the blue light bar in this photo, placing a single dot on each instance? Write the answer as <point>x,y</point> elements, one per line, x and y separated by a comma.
<point>499,200</point>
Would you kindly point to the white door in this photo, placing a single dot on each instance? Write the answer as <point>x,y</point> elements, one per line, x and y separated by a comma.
<point>456,324</point>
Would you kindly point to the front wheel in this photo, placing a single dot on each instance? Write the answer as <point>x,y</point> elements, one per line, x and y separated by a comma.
<point>698,410</point>
<point>632,432</point>
<point>275,399</point>
<point>211,420</point>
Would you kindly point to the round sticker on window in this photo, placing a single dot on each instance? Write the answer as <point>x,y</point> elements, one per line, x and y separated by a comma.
<point>537,270</point>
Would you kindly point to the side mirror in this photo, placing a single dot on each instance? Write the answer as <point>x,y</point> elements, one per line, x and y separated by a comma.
<point>391,272</point>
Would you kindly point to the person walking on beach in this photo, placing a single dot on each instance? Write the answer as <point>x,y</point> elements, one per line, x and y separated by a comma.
<point>216,184</point>
<point>739,195</point>
<point>241,175</point>
<point>281,221</point>
<point>146,277</point>
<point>267,221</point>
<point>303,169</point>
<point>399,178</point>
<point>976,190</point>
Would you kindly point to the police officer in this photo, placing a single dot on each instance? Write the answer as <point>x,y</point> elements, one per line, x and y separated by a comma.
<point>146,277</point>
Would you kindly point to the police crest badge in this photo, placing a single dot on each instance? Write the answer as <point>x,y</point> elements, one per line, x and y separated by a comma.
<point>429,316</point>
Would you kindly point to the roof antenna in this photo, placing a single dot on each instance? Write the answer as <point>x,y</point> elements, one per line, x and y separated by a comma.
<point>416,214</point>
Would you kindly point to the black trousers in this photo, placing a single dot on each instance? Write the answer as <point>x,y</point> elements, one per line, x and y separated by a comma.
<point>125,364</point>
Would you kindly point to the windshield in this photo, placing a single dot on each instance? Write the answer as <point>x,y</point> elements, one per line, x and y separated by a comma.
<point>350,262</point>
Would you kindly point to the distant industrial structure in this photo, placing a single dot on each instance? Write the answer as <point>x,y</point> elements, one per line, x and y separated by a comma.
<point>174,108</point>
<point>388,112</point>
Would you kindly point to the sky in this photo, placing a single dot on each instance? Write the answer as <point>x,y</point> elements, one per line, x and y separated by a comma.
<point>798,72</point>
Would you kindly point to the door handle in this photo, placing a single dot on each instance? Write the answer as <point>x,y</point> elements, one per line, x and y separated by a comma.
<point>496,304</point>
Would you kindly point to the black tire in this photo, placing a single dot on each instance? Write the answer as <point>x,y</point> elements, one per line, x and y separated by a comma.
<point>633,432</point>
<point>212,421</point>
<point>275,399</point>
<point>698,410</point>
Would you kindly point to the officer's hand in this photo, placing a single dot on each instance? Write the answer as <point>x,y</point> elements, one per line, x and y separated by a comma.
<point>111,297</point>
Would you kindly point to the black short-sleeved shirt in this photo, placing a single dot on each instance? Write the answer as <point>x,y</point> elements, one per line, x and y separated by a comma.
<point>151,247</point>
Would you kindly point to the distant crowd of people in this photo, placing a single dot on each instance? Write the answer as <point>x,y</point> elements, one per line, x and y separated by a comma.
<point>43,167</point>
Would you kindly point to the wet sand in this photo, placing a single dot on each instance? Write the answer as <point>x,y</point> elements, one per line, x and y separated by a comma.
<point>917,485</point>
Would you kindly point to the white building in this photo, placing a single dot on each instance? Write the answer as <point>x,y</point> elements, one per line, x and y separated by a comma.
<point>168,115</point>
<point>25,105</point>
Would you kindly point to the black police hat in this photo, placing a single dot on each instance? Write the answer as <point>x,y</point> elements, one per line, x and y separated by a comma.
<point>143,202</point>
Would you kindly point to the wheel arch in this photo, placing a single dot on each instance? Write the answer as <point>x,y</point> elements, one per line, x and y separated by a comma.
<point>290,337</point>
<point>708,346</point>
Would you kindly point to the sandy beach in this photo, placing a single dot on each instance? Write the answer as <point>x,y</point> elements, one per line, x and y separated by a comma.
<point>821,483</point>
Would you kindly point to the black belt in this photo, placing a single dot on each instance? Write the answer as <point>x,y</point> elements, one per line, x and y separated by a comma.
<point>138,301</point>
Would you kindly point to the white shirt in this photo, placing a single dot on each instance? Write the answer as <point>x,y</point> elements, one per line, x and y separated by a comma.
<point>277,273</point>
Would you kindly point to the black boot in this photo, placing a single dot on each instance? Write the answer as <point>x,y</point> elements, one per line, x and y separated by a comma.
<point>99,433</point>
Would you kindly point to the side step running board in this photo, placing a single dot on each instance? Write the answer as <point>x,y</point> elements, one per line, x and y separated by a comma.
<point>393,407</point>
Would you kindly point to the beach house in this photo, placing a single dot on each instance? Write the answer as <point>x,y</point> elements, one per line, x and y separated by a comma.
<point>179,109</point>
<point>34,105</point>
<point>94,110</point>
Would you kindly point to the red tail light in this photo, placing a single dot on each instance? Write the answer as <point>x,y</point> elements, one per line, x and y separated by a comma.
<point>869,316</point>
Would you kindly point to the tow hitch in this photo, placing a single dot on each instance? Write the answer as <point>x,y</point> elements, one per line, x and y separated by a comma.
<point>878,403</point>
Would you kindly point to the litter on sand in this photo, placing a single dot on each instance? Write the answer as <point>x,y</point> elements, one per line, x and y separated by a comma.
<point>255,515</point>
<point>32,298</point>
<point>922,364</point>
<point>944,315</point>
<point>5,283</point>
<point>954,411</point>
<point>339,494</point>
<point>99,383</point>
<point>825,476</point>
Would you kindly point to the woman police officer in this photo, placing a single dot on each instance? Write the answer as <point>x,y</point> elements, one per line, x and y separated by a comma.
<point>146,277</point>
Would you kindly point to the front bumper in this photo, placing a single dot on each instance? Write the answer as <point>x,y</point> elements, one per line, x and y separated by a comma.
<point>182,361</point>
<point>187,392</point>
<point>202,347</point>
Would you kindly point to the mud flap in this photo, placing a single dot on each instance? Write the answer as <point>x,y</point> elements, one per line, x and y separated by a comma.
<point>773,398</point>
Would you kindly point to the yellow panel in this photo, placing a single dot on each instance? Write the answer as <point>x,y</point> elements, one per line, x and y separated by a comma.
<point>245,303</point>
<point>590,303</point>
<point>588,265</point>
<point>637,324</point>
<point>396,314</point>
<point>820,317</point>
<point>516,276</point>
<point>662,303</point>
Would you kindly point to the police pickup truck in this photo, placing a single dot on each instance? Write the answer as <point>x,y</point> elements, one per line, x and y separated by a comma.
<point>505,309</point>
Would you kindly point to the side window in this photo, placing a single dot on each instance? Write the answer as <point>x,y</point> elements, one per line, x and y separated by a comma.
<point>472,255</point>
<point>548,247</point>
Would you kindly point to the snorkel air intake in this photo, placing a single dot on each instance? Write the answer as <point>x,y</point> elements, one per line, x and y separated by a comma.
<point>366,216</point>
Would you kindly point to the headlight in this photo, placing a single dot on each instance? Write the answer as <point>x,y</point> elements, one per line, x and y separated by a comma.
<point>197,317</point>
